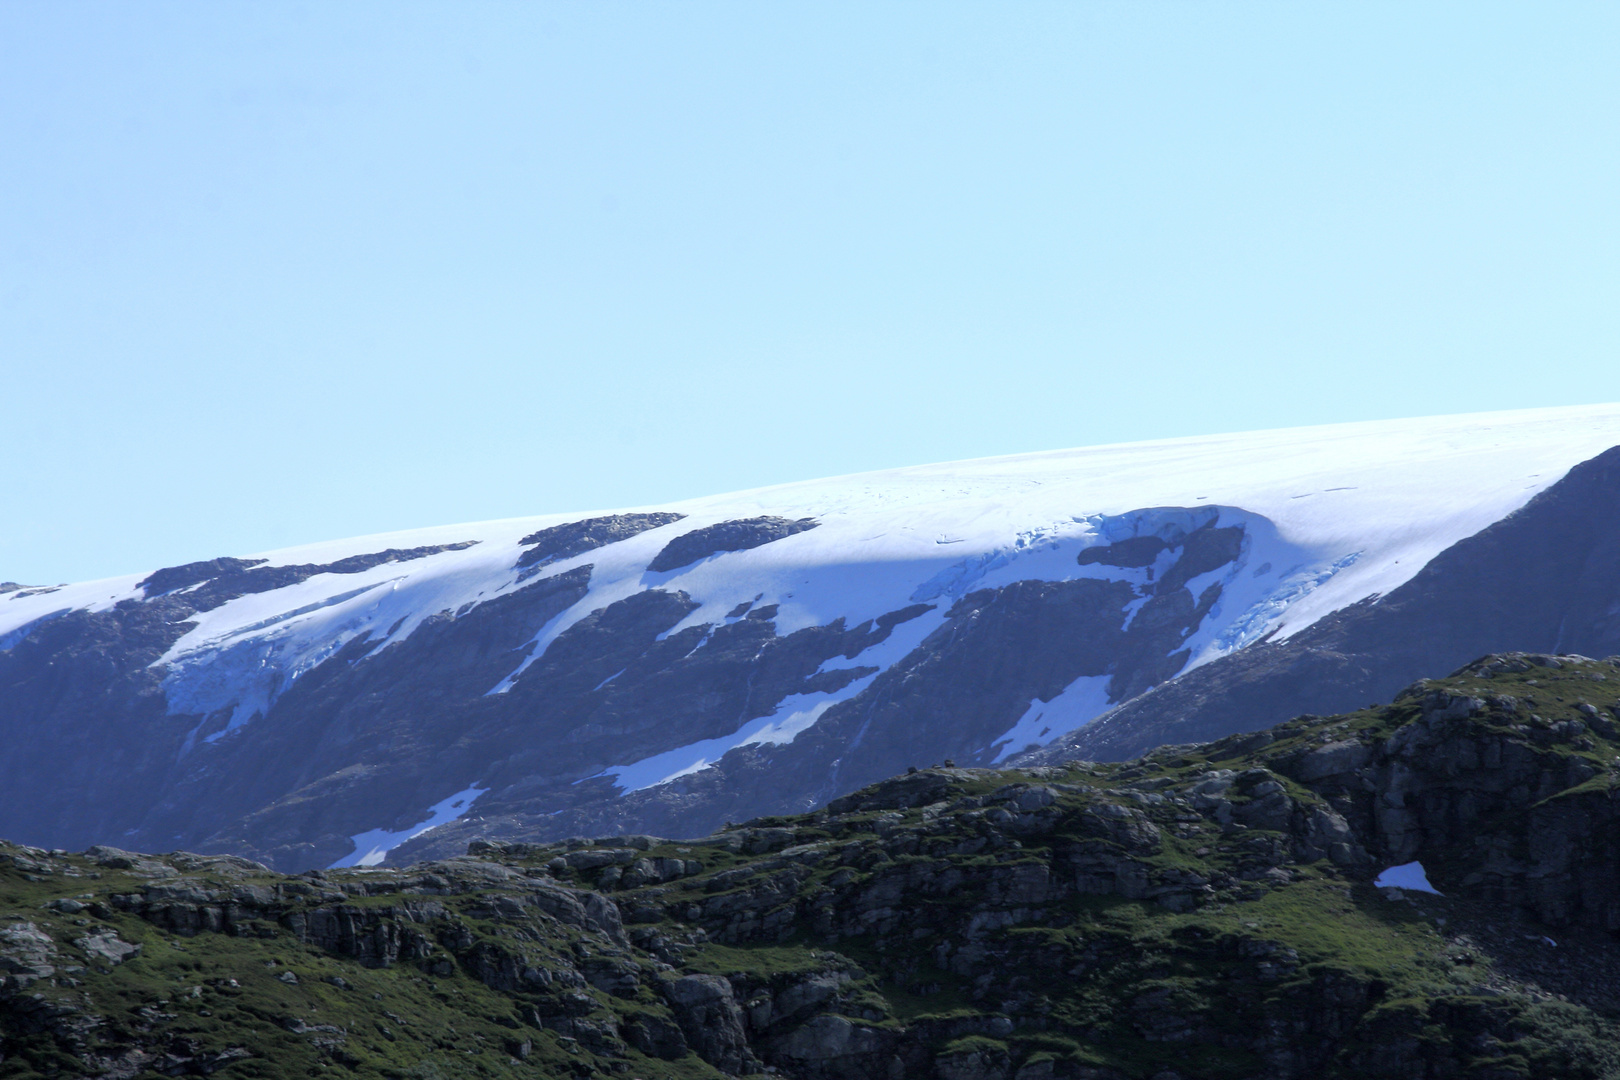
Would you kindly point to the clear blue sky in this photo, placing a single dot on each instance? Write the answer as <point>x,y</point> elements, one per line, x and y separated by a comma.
<point>274,273</point>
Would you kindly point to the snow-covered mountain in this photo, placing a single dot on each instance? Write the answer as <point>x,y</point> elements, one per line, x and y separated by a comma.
<point>665,668</point>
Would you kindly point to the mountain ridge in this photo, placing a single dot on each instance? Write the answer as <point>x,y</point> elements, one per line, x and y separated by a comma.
<point>571,680</point>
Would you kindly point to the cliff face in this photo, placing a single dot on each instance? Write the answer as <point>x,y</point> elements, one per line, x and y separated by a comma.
<point>1204,912</point>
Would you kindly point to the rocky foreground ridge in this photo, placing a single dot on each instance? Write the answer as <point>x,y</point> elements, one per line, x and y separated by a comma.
<point>1202,913</point>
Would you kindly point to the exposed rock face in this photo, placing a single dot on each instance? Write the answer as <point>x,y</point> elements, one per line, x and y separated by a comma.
<point>1205,912</point>
<point>1532,798</point>
<point>83,712</point>
<point>211,583</point>
<point>91,747</point>
<point>740,535</point>
<point>172,578</point>
<point>579,537</point>
<point>26,955</point>
<point>711,1021</point>
<point>106,948</point>
<point>1545,578</point>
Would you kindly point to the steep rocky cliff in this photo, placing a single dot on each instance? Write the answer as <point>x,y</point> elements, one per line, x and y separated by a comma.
<point>1204,913</point>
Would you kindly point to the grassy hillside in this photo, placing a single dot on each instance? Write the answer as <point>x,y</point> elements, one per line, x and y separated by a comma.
<point>1204,912</point>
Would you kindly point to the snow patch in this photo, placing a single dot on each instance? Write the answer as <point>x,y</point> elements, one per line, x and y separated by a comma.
<point>1076,705</point>
<point>955,580</point>
<point>1408,876</point>
<point>802,710</point>
<point>371,848</point>
<point>792,715</point>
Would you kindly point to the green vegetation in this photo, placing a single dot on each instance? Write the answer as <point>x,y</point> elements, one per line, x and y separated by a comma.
<point>1193,910</point>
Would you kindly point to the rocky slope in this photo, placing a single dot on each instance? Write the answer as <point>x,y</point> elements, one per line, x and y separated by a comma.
<point>664,670</point>
<point>1546,577</point>
<point>1203,913</point>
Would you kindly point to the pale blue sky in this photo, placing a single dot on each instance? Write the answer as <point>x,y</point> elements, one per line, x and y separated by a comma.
<point>274,273</point>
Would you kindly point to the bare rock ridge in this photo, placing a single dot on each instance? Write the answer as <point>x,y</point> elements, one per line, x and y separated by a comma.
<point>1204,912</point>
<point>213,582</point>
<point>741,535</point>
<point>1546,578</point>
<point>578,537</point>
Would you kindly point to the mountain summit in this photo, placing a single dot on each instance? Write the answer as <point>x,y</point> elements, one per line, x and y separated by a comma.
<point>666,669</point>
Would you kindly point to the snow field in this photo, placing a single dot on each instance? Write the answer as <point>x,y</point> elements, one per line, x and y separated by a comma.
<point>1332,514</point>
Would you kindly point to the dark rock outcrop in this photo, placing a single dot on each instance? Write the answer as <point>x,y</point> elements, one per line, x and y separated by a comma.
<point>172,578</point>
<point>740,535</point>
<point>213,582</point>
<point>711,1021</point>
<point>578,537</point>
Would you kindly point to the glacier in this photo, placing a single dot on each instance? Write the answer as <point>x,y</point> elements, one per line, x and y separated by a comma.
<point>1332,515</point>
